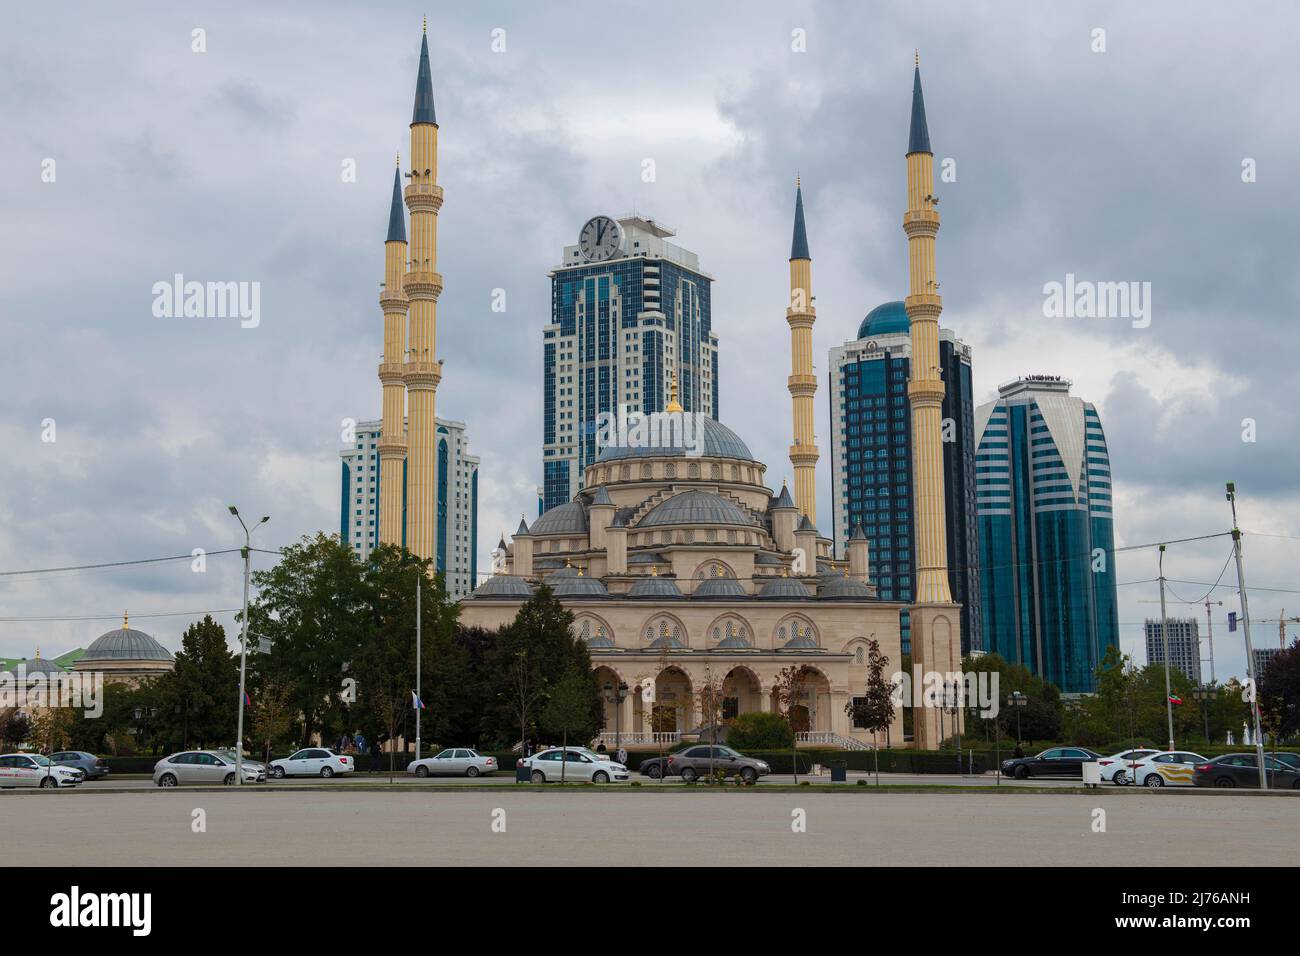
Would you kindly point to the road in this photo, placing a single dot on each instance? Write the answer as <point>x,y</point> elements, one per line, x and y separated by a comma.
<point>625,827</point>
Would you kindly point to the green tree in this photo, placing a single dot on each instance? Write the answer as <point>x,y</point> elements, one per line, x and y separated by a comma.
<point>1279,694</point>
<point>569,707</point>
<point>875,710</point>
<point>759,730</point>
<point>312,616</point>
<point>788,692</point>
<point>198,700</point>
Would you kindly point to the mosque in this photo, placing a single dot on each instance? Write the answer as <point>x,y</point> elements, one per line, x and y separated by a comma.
<point>684,570</point>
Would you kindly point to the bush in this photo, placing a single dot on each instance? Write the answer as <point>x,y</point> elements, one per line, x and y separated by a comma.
<point>759,730</point>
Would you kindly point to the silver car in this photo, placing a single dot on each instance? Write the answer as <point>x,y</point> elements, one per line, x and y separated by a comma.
<point>209,767</point>
<point>454,762</point>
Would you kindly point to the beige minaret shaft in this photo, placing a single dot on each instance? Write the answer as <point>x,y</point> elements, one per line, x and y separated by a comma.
<point>925,389</point>
<point>422,285</point>
<point>392,440</point>
<point>801,315</point>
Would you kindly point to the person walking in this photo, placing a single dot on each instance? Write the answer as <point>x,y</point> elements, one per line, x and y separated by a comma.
<point>1019,752</point>
<point>376,753</point>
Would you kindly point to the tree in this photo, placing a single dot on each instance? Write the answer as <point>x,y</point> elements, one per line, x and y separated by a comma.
<point>530,656</point>
<point>312,612</point>
<point>875,710</point>
<point>1279,693</point>
<point>569,707</point>
<point>789,691</point>
<point>15,728</point>
<point>759,730</point>
<point>199,698</point>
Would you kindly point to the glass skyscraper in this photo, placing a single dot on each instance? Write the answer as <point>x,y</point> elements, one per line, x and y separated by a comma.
<point>871,460</point>
<point>621,327</point>
<point>1046,531</point>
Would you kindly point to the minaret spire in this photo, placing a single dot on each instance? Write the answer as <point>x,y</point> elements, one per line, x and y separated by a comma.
<point>392,433</point>
<point>800,315</point>
<point>935,620</point>
<point>423,285</point>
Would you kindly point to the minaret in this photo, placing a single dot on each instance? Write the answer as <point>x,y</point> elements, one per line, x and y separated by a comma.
<point>935,620</point>
<point>422,285</point>
<point>392,440</point>
<point>802,382</point>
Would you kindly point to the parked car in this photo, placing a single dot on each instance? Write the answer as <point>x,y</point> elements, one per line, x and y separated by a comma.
<point>1242,770</point>
<point>576,763</point>
<point>36,770</point>
<point>1285,757</point>
<point>202,767</point>
<point>694,762</point>
<point>1166,768</point>
<point>652,767</point>
<point>454,762</point>
<point>92,767</point>
<point>1118,768</point>
<point>312,762</point>
<point>1053,762</point>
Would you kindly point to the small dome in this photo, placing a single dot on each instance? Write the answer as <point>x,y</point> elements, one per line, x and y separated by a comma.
<point>646,557</point>
<point>125,644</point>
<point>503,586</point>
<point>568,571</point>
<point>568,518</point>
<point>696,508</point>
<point>841,587</point>
<point>717,441</point>
<point>37,665</point>
<point>884,319</point>
<point>655,587</point>
<point>767,559</point>
<point>719,588</point>
<point>782,589</point>
<point>578,586</point>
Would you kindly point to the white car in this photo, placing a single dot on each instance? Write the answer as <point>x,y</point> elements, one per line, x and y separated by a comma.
<point>1167,768</point>
<point>454,762</point>
<point>203,767</point>
<point>1118,768</point>
<point>580,765</point>
<point>312,762</point>
<point>36,770</point>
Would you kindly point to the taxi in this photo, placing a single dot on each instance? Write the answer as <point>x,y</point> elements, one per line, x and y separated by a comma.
<point>1167,768</point>
<point>36,770</point>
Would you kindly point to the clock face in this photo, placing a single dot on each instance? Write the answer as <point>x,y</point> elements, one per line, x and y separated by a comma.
<point>600,239</point>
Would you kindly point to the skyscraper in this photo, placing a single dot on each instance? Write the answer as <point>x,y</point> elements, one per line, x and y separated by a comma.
<point>1184,645</point>
<point>363,504</point>
<point>629,310</point>
<point>1046,534</point>
<point>871,460</point>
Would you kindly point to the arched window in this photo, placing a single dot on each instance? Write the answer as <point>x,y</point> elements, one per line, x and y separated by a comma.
<point>664,632</point>
<point>795,632</point>
<point>713,569</point>
<point>730,632</point>
<point>592,631</point>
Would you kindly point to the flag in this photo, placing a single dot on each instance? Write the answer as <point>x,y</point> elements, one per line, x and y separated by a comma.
<point>416,702</point>
<point>248,701</point>
<point>1175,699</point>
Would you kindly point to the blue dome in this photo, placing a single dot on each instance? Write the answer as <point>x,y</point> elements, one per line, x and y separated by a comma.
<point>696,508</point>
<point>718,441</point>
<point>884,319</point>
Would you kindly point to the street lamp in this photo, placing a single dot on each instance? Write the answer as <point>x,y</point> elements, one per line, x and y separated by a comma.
<point>243,644</point>
<point>1017,700</point>
<point>616,696</point>
<point>1205,695</point>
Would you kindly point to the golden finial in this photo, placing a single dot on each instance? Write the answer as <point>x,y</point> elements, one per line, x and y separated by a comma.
<point>673,405</point>
<point>38,653</point>
<point>126,621</point>
<point>796,180</point>
<point>580,574</point>
<point>568,563</point>
<point>918,57</point>
<point>426,24</point>
<point>785,572</point>
<point>399,159</point>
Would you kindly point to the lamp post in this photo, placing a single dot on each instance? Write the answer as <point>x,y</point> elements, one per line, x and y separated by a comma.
<point>1204,695</point>
<point>1016,700</point>
<point>616,696</point>
<point>243,644</point>
<point>1245,624</point>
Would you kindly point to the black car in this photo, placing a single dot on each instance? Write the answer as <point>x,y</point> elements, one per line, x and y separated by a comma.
<point>1284,757</point>
<point>652,767</point>
<point>1053,762</point>
<point>1242,770</point>
<point>92,767</point>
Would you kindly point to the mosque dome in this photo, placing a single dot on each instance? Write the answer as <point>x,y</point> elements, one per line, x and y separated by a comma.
<point>717,441</point>
<point>577,586</point>
<point>841,587</point>
<point>503,586</point>
<point>784,589</point>
<point>884,319</point>
<point>696,508</point>
<point>718,588</point>
<point>37,665</point>
<point>568,518</point>
<point>655,587</point>
<point>125,644</point>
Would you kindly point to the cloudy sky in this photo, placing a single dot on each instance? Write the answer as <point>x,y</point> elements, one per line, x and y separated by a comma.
<point>1122,165</point>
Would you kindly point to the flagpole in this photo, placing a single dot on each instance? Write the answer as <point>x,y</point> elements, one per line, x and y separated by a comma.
<point>1164,636</point>
<point>417,667</point>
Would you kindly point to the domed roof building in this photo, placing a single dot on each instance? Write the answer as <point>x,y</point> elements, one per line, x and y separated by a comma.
<point>681,566</point>
<point>126,655</point>
<point>35,665</point>
<point>885,319</point>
